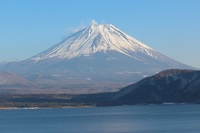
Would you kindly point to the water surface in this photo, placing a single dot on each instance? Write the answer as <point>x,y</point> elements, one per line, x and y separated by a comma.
<point>124,119</point>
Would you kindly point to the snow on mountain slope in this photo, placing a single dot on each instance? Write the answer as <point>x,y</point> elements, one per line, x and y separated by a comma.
<point>96,38</point>
<point>96,57</point>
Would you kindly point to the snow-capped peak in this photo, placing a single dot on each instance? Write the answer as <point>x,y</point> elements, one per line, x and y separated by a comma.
<point>96,38</point>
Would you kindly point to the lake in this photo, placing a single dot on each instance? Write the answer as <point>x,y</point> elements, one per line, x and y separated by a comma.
<point>120,119</point>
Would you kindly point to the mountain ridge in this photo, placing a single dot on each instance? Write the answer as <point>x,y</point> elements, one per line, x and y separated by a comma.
<point>168,86</point>
<point>100,54</point>
<point>172,86</point>
<point>95,38</point>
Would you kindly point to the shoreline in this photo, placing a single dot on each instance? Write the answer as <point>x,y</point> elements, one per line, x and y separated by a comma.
<point>89,106</point>
<point>34,108</point>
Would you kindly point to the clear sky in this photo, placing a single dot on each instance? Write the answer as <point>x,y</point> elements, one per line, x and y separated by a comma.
<point>171,27</point>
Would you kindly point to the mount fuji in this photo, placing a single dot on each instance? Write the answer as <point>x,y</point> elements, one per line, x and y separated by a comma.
<point>97,58</point>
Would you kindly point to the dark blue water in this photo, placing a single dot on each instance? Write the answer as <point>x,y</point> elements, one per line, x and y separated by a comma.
<point>126,119</point>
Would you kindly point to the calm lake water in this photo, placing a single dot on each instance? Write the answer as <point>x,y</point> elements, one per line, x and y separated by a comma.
<point>125,119</point>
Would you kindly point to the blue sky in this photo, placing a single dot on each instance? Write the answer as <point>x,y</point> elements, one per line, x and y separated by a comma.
<point>171,27</point>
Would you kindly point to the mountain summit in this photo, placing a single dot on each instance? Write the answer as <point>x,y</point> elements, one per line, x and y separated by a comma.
<point>99,57</point>
<point>97,38</point>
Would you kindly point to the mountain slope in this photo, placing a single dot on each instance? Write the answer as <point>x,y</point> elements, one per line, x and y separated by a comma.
<point>9,78</point>
<point>10,81</point>
<point>96,57</point>
<point>170,86</point>
<point>104,39</point>
<point>96,38</point>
